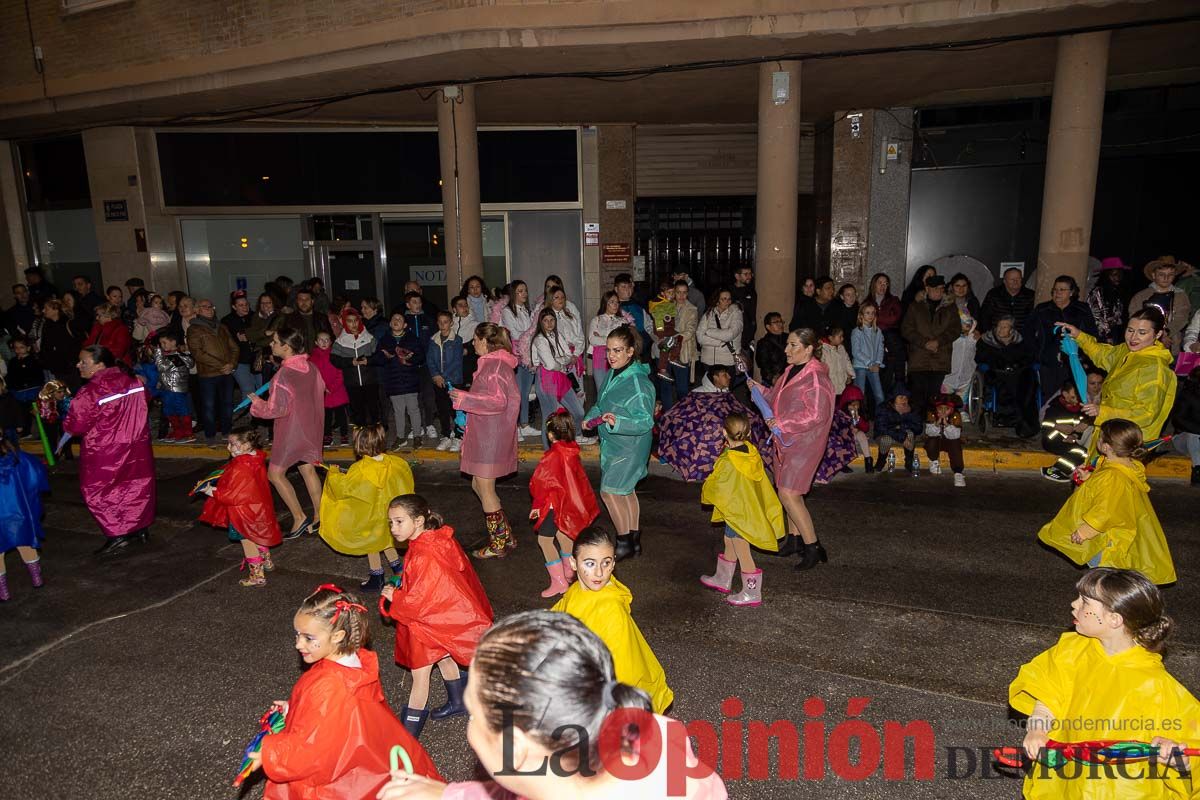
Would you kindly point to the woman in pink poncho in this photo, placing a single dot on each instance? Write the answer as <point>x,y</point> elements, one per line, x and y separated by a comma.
<point>297,406</point>
<point>116,461</point>
<point>489,449</point>
<point>802,401</point>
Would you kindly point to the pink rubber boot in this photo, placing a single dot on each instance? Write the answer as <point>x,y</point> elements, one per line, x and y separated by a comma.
<point>558,583</point>
<point>751,593</point>
<point>723,578</point>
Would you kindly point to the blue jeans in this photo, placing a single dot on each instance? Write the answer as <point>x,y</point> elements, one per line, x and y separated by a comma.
<point>216,404</point>
<point>525,379</point>
<point>674,390</point>
<point>246,380</point>
<point>863,376</point>
<point>1188,444</point>
<point>549,405</point>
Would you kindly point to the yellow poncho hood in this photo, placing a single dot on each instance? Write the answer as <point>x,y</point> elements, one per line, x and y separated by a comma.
<point>606,613</point>
<point>354,503</point>
<point>742,497</point>
<point>1115,501</point>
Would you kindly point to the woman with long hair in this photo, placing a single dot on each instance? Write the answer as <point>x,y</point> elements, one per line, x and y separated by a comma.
<point>476,292</point>
<point>518,319</point>
<point>608,318</point>
<point>553,361</point>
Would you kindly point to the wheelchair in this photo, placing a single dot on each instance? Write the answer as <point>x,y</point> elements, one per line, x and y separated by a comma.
<point>980,400</point>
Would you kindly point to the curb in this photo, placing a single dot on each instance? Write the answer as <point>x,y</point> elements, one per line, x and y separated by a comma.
<point>983,459</point>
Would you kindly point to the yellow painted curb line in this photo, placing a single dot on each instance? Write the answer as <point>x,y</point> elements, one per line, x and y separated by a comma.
<point>976,458</point>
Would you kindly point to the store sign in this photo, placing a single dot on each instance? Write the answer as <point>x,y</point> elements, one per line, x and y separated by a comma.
<point>428,276</point>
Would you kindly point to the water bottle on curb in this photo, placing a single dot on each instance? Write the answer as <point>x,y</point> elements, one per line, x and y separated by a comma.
<point>916,465</point>
<point>891,461</point>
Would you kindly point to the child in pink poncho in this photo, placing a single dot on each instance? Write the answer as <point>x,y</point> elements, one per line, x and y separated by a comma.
<point>337,399</point>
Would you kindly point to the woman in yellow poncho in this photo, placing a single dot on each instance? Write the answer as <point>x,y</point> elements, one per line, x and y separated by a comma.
<point>354,504</point>
<point>1106,681</point>
<point>1140,386</point>
<point>742,497</point>
<point>1108,521</point>
<point>602,603</point>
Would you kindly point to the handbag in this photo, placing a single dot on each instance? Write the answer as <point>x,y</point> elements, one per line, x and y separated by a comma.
<point>1186,362</point>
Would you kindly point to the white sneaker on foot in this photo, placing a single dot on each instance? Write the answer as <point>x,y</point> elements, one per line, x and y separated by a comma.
<point>444,444</point>
<point>455,445</point>
<point>528,431</point>
<point>959,480</point>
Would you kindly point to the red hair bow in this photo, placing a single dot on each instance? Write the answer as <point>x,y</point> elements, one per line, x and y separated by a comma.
<point>346,605</point>
<point>331,587</point>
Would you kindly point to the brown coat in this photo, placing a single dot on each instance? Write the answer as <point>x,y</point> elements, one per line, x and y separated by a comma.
<point>922,324</point>
<point>213,349</point>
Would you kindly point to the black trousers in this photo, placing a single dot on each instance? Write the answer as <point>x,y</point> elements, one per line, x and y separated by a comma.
<point>364,404</point>
<point>924,384</point>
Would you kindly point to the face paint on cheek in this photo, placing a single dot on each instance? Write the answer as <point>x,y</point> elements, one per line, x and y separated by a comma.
<point>1093,615</point>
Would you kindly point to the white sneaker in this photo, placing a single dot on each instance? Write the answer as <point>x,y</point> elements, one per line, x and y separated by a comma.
<point>935,467</point>
<point>430,432</point>
<point>959,480</point>
<point>455,445</point>
<point>444,444</point>
<point>589,440</point>
<point>528,431</point>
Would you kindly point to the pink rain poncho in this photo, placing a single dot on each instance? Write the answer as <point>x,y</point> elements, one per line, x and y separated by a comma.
<point>803,409</point>
<point>297,404</point>
<point>116,461</point>
<point>489,447</point>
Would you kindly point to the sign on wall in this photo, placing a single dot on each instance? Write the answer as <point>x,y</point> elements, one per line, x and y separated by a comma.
<point>428,276</point>
<point>116,211</point>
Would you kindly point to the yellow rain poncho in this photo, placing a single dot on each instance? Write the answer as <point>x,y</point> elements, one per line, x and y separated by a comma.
<point>1094,696</point>
<point>742,497</point>
<point>606,614</point>
<point>1140,386</point>
<point>354,504</point>
<point>1115,501</point>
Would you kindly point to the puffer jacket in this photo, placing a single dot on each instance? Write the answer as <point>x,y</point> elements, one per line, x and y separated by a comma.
<point>719,335</point>
<point>173,370</point>
<point>400,374</point>
<point>346,348</point>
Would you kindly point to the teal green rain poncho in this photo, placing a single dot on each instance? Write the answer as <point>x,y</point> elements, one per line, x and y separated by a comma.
<point>625,447</point>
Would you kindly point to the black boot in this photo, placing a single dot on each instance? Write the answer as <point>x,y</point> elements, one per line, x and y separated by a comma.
<point>789,547</point>
<point>141,536</point>
<point>454,700</point>
<point>637,542</point>
<point>870,464</point>
<point>1195,476</point>
<point>812,554</point>
<point>413,720</point>
<point>625,546</point>
<point>373,584</point>
<point>113,545</point>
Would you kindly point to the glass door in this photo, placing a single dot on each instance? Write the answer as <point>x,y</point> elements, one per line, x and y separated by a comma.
<point>344,253</point>
<point>350,273</point>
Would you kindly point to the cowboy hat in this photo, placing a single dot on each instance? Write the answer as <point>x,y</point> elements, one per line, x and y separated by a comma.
<point>1182,268</point>
<point>1113,262</point>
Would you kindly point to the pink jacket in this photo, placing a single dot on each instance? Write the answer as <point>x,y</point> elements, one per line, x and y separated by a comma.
<point>296,405</point>
<point>803,410</point>
<point>116,462</point>
<point>335,384</point>
<point>489,447</point>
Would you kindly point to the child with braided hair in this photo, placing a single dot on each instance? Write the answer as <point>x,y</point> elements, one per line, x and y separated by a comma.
<point>338,729</point>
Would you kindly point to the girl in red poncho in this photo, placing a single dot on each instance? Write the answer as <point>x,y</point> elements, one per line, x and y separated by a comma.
<point>563,501</point>
<point>241,501</point>
<point>338,731</point>
<point>439,607</point>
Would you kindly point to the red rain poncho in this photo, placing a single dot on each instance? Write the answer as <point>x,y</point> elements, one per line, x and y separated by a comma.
<point>116,461</point>
<point>559,483</point>
<point>440,607</point>
<point>338,736</point>
<point>243,500</point>
<point>489,448</point>
<point>803,410</point>
<point>297,406</point>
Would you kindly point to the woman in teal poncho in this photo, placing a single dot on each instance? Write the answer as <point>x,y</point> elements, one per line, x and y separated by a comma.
<point>624,414</point>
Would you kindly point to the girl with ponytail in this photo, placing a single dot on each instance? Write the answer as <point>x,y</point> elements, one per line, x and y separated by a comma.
<point>1108,521</point>
<point>543,691</point>
<point>338,728</point>
<point>1106,681</point>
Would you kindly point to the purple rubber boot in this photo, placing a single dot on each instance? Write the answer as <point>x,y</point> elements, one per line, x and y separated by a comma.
<point>4,595</point>
<point>35,573</point>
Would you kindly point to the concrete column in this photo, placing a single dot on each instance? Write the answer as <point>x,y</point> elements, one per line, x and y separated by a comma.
<point>855,156</point>
<point>458,148</point>
<point>616,176</point>
<point>14,252</point>
<point>778,188</point>
<point>1072,158</point>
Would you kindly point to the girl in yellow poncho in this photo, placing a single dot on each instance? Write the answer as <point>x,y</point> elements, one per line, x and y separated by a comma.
<point>1106,681</point>
<point>742,497</point>
<point>354,504</point>
<point>602,603</point>
<point>1108,521</point>
<point>1140,386</point>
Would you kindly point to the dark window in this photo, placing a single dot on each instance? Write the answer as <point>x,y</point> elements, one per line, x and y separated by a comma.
<point>358,168</point>
<point>55,174</point>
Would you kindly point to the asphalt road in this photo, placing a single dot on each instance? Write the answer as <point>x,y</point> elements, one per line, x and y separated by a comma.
<point>143,676</point>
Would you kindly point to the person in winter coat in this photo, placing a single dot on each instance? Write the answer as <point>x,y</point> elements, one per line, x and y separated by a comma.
<point>263,324</point>
<point>1185,419</point>
<point>116,460</point>
<point>25,379</point>
<point>1109,300</point>
<point>608,318</point>
<point>23,481</point>
<point>836,359</point>
<point>943,431</point>
<point>930,327</point>
<point>1172,301</point>
<point>216,354</point>
<point>237,321</point>
<point>1010,298</point>
<point>306,320</point>
<point>867,351</point>
<point>897,423</point>
<point>962,361</point>
<point>1041,332</point>
<point>399,357</point>
<point>110,331</point>
<point>337,400</point>
<point>1010,369</point>
<point>59,345</point>
<point>1140,386</point>
<point>1064,428</point>
<point>424,325</point>
<point>241,502</point>
<point>719,331</point>
<point>444,359</point>
<point>174,367</point>
<point>489,449</point>
<point>770,351</point>
<point>352,352</point>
